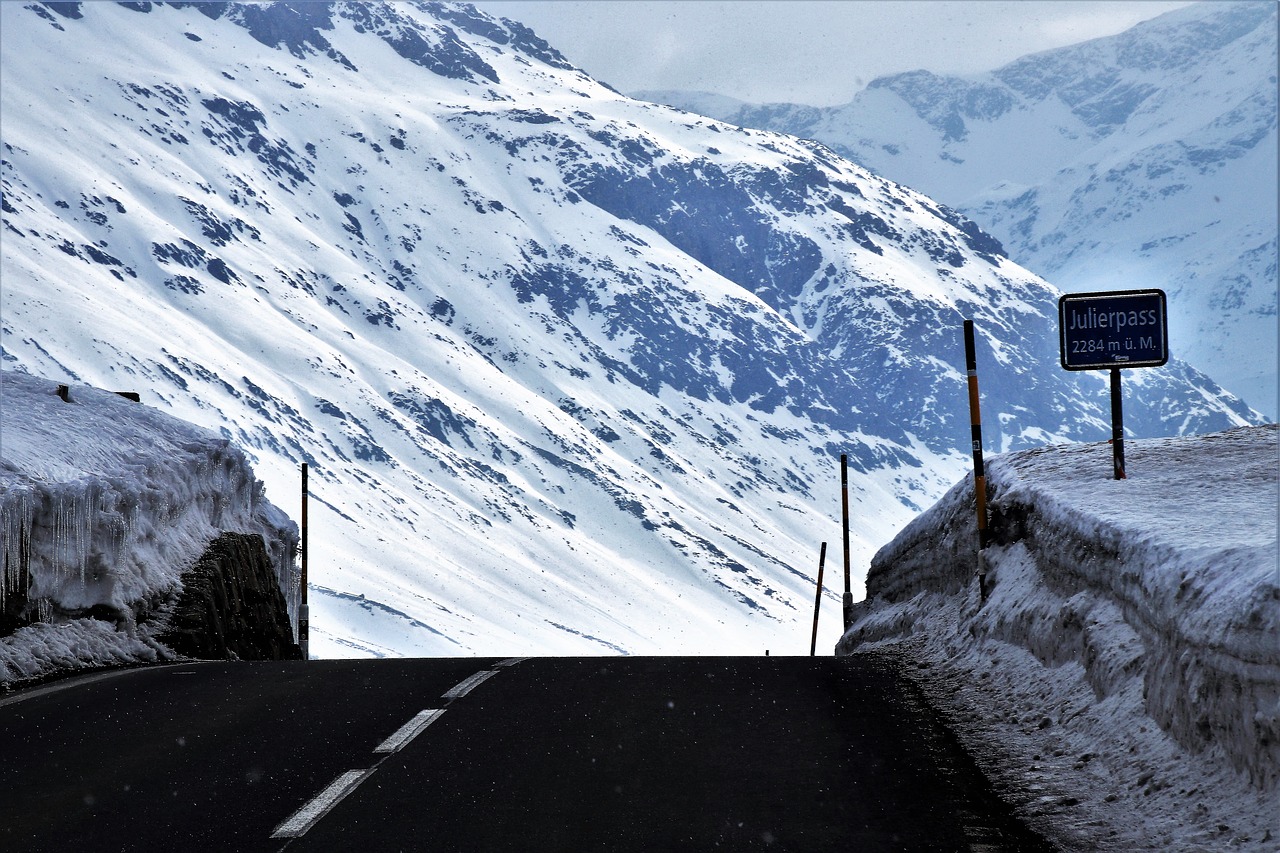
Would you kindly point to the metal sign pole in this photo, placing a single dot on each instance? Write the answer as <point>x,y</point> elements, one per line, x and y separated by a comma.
<point>1117,425</point>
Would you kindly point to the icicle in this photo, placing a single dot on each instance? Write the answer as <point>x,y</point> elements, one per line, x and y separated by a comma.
<point>18,512</point>
<point>83,524</point>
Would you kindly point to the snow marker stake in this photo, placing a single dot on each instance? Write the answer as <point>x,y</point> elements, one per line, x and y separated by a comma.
<point>979,470</point>
<point>844,504</point>
<point>304,616</point>
<point>817,602</point>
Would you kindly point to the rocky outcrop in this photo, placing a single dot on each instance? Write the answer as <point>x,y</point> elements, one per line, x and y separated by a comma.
<point>231,605</point>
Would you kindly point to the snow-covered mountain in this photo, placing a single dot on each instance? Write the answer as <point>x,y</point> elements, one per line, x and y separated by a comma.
<point>573,371</point>
<point>1146,159</point>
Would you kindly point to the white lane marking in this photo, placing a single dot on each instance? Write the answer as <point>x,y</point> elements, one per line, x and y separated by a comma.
<point>306,817</point>
<point>462,688</point>
<point>510,662</point>
<point>25,693</point>
<point>409,730</point>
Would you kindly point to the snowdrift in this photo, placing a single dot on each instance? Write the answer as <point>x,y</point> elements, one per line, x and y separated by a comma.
<point>1128,655</point>
<point>104,503</point>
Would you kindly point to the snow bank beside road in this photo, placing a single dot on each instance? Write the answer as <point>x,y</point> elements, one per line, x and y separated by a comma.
<point>104,503</point>
<point>1124,674</point>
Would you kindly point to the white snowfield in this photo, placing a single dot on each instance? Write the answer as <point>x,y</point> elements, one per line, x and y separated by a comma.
<point>104,503</point>
<point>1122,681</point>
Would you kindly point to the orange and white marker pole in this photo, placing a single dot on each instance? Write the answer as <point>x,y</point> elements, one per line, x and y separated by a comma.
<point>979,471</point>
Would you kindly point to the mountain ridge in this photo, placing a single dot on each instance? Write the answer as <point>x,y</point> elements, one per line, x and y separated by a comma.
<point>1145,159</point>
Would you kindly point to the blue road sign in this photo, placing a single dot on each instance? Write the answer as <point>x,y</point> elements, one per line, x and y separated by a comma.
<point>1123,328</point>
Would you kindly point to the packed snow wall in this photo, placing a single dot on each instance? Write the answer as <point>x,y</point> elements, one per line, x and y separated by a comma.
<point>1164,584</point>
<point>104,504</point>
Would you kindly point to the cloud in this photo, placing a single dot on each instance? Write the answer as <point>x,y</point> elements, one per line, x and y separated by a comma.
<point>818,52</point>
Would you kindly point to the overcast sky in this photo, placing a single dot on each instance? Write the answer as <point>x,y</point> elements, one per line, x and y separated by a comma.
<point>816,52</point>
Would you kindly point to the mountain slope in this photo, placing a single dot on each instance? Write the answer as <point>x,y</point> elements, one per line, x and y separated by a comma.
<point>573,371</point>
<point>1147,159</point>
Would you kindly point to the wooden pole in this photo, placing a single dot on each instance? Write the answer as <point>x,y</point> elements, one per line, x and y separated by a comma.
<point>304,615</point>
<point>844,505</point>
<point>979,470</point>
<point>817,602</point>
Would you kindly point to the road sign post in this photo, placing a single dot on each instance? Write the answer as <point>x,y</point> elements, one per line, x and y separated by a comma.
<point>1112,331</point>
<point>1117,425</point>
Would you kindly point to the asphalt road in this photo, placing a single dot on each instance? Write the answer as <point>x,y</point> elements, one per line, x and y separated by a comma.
<point>548,754</point>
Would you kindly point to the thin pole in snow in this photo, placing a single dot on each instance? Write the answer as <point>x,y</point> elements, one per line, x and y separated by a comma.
<point>979,470</point>
<point>844,506</point>
<point>817,602</point>
<point>304,616</point>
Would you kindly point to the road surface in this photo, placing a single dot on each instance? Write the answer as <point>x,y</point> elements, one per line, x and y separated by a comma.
<point>548,754</point>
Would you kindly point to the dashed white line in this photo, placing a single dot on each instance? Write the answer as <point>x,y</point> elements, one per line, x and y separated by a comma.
<point>409,730</point>
<point>319,805</point>
<point>316,808</point>
<point>462,688</point>
<point>510,662</point>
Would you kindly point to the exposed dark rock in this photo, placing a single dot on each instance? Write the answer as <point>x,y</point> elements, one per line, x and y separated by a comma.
<point>231,605</point>
<point>67,10</point>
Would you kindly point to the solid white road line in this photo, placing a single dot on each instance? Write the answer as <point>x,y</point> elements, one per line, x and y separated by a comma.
<point>510,662</point>
<point>25,693</point>
<point>409,730</point>
<point>306,817</point>
<point>462,688</point>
